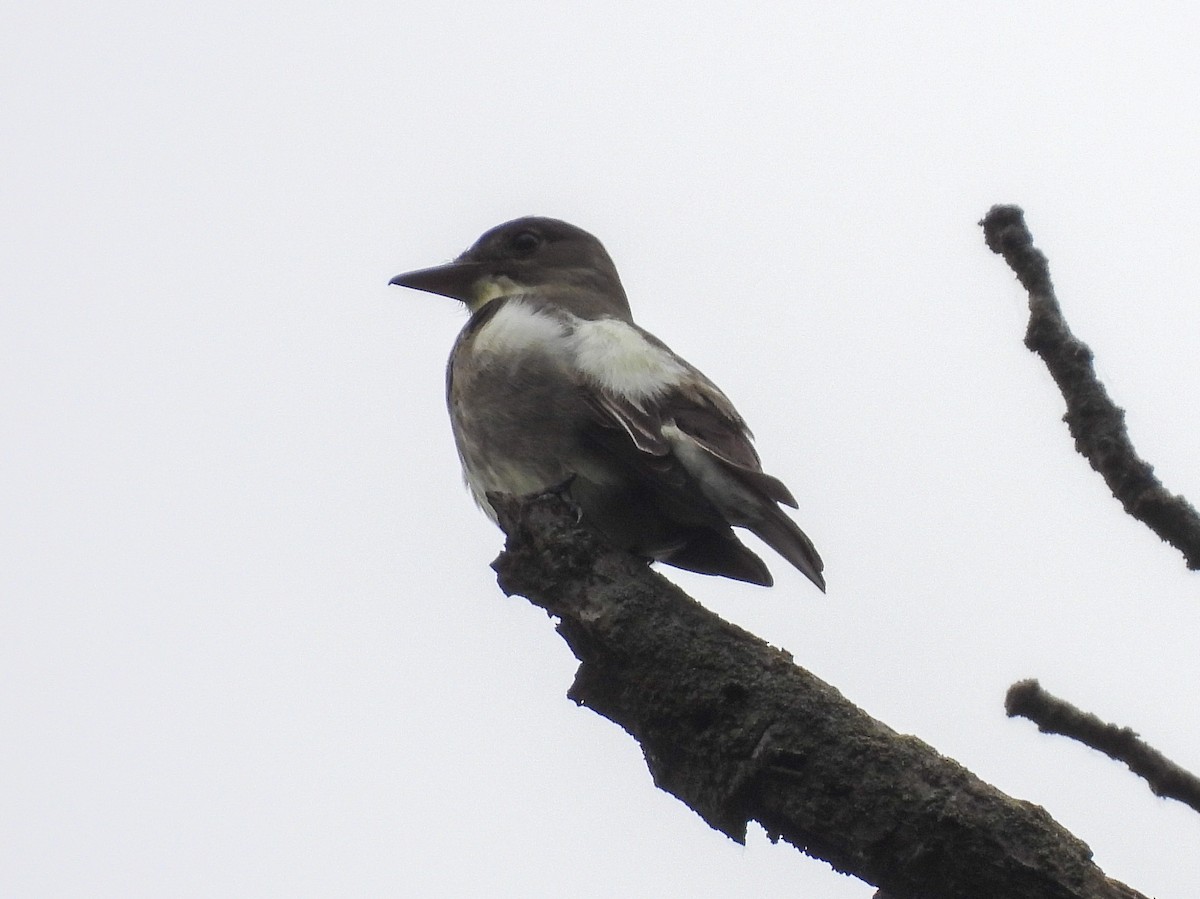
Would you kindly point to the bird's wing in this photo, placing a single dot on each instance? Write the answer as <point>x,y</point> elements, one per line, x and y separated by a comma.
<point>711,422</point>
<point>697,409</point>
<point>693,434</point>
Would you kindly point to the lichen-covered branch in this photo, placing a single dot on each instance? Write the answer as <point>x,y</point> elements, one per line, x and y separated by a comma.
<point>1095,421</point>
<point>738,732</point>
<point>1057,716</point>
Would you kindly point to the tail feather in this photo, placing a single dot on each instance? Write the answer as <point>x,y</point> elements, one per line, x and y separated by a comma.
<point>720,553</point>
<point>785,537</point>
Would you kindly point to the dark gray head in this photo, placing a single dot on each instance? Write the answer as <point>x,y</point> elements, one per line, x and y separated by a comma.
<point>545,257</point>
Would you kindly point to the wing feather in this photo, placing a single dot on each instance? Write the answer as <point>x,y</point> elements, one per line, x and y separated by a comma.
<point>691,452</point>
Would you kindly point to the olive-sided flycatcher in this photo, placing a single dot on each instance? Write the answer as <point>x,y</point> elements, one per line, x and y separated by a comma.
<point>551,383</point>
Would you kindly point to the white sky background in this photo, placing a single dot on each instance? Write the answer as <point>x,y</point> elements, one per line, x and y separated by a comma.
<point>249,641</point>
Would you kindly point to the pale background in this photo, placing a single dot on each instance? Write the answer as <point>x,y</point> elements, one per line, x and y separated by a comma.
<point>249,641</point>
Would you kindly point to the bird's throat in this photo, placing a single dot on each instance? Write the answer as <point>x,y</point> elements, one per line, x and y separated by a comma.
<point>489,288</point>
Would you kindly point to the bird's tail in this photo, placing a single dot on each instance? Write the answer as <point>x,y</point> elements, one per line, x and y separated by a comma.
<point>785,537</point>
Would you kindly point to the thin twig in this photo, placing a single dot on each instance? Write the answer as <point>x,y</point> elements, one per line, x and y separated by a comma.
<point>1052,715</point>
<point>1095,421</point>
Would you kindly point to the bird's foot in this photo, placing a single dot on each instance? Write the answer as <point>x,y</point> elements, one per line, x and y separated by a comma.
<point>563,490</point>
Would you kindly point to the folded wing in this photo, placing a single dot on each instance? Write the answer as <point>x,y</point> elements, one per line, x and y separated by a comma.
<point>691,451</point>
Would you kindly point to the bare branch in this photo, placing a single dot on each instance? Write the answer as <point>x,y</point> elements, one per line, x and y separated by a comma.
<point>733,728</point>
<point>1057,716</point>
<point>1096,423</point>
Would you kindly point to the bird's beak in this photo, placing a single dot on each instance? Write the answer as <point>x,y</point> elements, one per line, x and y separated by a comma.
<point>457,280</point>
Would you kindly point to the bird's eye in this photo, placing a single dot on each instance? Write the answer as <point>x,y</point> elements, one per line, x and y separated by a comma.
<point>525,243</point>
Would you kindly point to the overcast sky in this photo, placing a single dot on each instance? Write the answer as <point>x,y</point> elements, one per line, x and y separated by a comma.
<point>250,644</point>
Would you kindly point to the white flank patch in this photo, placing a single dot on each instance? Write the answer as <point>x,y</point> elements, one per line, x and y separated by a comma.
<point>517,327</point>
<point>619,359</point>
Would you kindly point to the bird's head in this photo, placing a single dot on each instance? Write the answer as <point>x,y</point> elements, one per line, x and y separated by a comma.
<point>533,256</point>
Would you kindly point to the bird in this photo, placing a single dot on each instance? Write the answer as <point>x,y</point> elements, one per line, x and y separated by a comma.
<point>552,385</point>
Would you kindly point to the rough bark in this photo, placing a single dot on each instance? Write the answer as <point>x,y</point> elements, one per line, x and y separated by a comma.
<point>739,733</point>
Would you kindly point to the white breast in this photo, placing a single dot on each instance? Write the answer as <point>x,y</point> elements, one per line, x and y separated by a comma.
<point>518,328</point>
